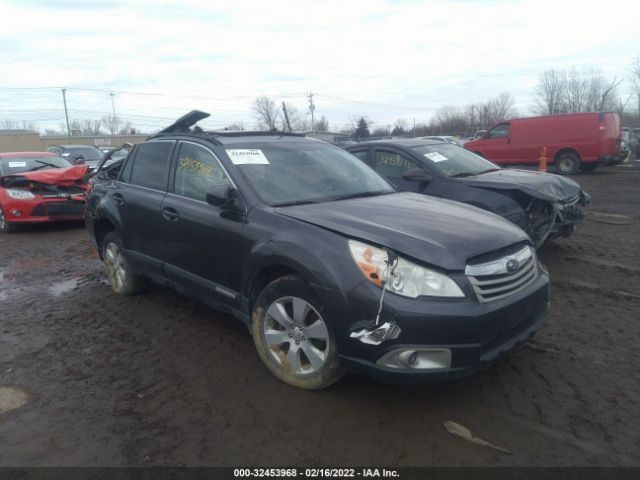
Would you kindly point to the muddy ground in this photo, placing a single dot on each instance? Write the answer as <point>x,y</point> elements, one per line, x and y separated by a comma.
<point>159,379</point>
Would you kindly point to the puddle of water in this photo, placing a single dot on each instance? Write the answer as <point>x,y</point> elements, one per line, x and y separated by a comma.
<point>63,287</point>
<point>12,398</point>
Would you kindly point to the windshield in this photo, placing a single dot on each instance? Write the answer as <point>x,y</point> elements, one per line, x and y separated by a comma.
<point>455,161</point>
<point>13,165</point>
<point>88,153</point>
<point>290,173</point>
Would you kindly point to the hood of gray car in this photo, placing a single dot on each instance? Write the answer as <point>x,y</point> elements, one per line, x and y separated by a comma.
<point>545,186</point>
<point>439,232</point>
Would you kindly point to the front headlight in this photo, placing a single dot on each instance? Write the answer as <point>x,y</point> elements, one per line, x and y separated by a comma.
<point>20,194</point>
<point>408,279</point>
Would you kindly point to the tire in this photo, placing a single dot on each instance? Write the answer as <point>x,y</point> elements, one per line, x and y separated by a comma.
<point>589,167</point>
<point>121,277</point>
<point>5,225</point>
<point>295,343</point>
<point>567,163</point>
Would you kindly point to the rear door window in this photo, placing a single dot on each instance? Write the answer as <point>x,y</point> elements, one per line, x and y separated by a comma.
<point>151,165</point>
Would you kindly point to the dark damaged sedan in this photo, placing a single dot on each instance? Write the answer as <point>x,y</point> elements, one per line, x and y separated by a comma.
<point>545,206</point>
<point>330,268</point>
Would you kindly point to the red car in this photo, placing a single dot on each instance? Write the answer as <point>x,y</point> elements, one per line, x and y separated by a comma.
<point>40,187</point>
<point>573,141</point>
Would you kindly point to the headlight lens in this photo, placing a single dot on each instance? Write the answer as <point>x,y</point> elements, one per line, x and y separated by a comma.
<point>20,194</point>
<point>408,279</point>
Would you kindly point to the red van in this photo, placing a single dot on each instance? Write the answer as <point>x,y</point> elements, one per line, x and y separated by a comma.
<point>574,141</point>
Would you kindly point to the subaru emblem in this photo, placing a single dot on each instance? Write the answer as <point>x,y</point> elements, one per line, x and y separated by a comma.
<point>512,265</point>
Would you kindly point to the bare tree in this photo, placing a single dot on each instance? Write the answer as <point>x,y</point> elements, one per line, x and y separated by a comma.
<point>322,125</point>
<point>237,126</point>
<point>550,92</point>
<point>112,123</point>
<point>635,79</point>
<point>266,112</point>
<point>126,128</point>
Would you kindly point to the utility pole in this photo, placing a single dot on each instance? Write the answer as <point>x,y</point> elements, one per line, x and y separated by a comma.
<point>286,116</point>
<point>66,113</point>
<point>414,126</point>
<point>113,104</point>
<point>312,107</point>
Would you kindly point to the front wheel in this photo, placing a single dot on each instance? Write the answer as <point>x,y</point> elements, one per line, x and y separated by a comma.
<point>5,225</point>
<point>121,277</point>
<point>568,163</point>
<point>292,337</point>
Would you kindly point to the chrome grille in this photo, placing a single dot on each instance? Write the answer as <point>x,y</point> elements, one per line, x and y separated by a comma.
<point>503,276</point>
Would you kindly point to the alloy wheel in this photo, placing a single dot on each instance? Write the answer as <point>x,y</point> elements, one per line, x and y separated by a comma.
<point>115,266</point>
<point>296,336</point>
<point>3,220</point>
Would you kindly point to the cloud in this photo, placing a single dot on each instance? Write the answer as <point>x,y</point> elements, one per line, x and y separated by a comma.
<point>395,59</point>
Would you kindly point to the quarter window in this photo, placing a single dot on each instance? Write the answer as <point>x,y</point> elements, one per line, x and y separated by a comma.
<point>197,172</point>
<point>151,165</point>
<point>391,164</point>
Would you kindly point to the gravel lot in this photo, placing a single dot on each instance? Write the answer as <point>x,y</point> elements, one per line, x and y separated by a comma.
<point>159,379</point>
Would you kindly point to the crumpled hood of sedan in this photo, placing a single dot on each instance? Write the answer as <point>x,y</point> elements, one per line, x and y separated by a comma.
<point>439,232</point>
<point>545,186</point>
<point>55,176</point>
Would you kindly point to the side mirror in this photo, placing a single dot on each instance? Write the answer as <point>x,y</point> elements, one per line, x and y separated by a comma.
<point>220,196</point>
<point>78,161</point>
<point>417,175</point>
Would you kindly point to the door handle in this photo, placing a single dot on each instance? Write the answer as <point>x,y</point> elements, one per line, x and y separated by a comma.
<point>508,140</point>
<point>170,214</point>
<point>119,199</point>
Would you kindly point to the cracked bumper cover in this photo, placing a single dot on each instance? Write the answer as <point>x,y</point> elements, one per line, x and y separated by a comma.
<point>476,334</point>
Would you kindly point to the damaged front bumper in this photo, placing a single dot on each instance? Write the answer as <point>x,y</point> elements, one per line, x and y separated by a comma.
<point>569,214</point>
<point>436,339</point>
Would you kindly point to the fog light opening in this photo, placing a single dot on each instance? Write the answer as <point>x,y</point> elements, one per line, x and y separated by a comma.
<point>15,212</point>
<point>416,359</point>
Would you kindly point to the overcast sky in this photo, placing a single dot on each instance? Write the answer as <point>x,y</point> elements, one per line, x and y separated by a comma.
<point>383,59</point>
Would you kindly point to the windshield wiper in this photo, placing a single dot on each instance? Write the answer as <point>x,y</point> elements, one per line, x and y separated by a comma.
<point>362,195</point>
<point>470,174</point>
<point>297,202</point>
<point>462,174</point>
<point>44,164</point>
<point>489,171</point>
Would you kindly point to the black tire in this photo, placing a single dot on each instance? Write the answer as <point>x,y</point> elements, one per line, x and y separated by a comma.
<point>589,167</point>
<point>275,353</point>
<point>121,277</point>
<point>567,163</point>
<point>5,225</point>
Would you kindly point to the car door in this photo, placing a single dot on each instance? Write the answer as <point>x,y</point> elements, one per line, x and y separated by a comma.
<point>392,164</point>
<point>495,145</point>
<point>137,196</point>
<point>203,241</point>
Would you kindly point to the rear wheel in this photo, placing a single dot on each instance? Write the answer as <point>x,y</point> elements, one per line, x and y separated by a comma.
<point>292,337</point>
<point>567,163</point>
<point>5,225</point>
<point>121,277</point>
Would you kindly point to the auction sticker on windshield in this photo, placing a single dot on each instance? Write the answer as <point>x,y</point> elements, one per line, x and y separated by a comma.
<point>17,164</point>
<point>435,156</point>
<point>247,156</point>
